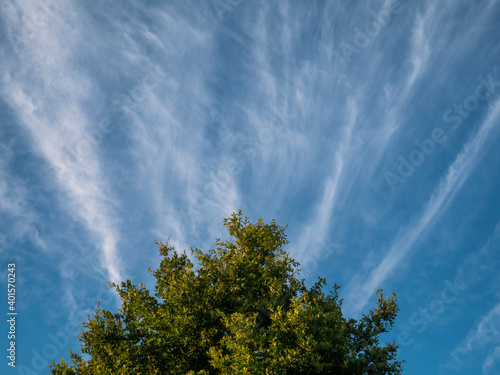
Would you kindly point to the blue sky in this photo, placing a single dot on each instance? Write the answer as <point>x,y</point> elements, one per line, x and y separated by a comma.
<point>370,128</point>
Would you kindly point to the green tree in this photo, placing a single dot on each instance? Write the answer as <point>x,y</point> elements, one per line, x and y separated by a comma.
<point>242,310</point>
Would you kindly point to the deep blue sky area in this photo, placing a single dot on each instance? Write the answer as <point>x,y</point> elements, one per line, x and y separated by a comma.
<point>370,128</point>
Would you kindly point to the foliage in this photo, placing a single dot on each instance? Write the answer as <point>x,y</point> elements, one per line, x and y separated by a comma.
<point>242,310</point>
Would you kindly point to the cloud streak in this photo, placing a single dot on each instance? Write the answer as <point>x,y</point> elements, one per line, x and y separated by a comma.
<point>486,332</point>
<point>49,82</point>
<point>360,291</point>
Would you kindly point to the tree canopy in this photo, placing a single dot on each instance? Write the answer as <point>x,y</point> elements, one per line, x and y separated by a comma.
<point>241,310</point>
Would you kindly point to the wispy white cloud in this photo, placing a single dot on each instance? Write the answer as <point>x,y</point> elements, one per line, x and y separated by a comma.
<point>15,208</point>
<point>420,48</point>
<point>49,97</point>
<point>481,266</point>
<point>359,292</point>
<point>486,332</point>
<point>319,228</point>
<point>491,360</point>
